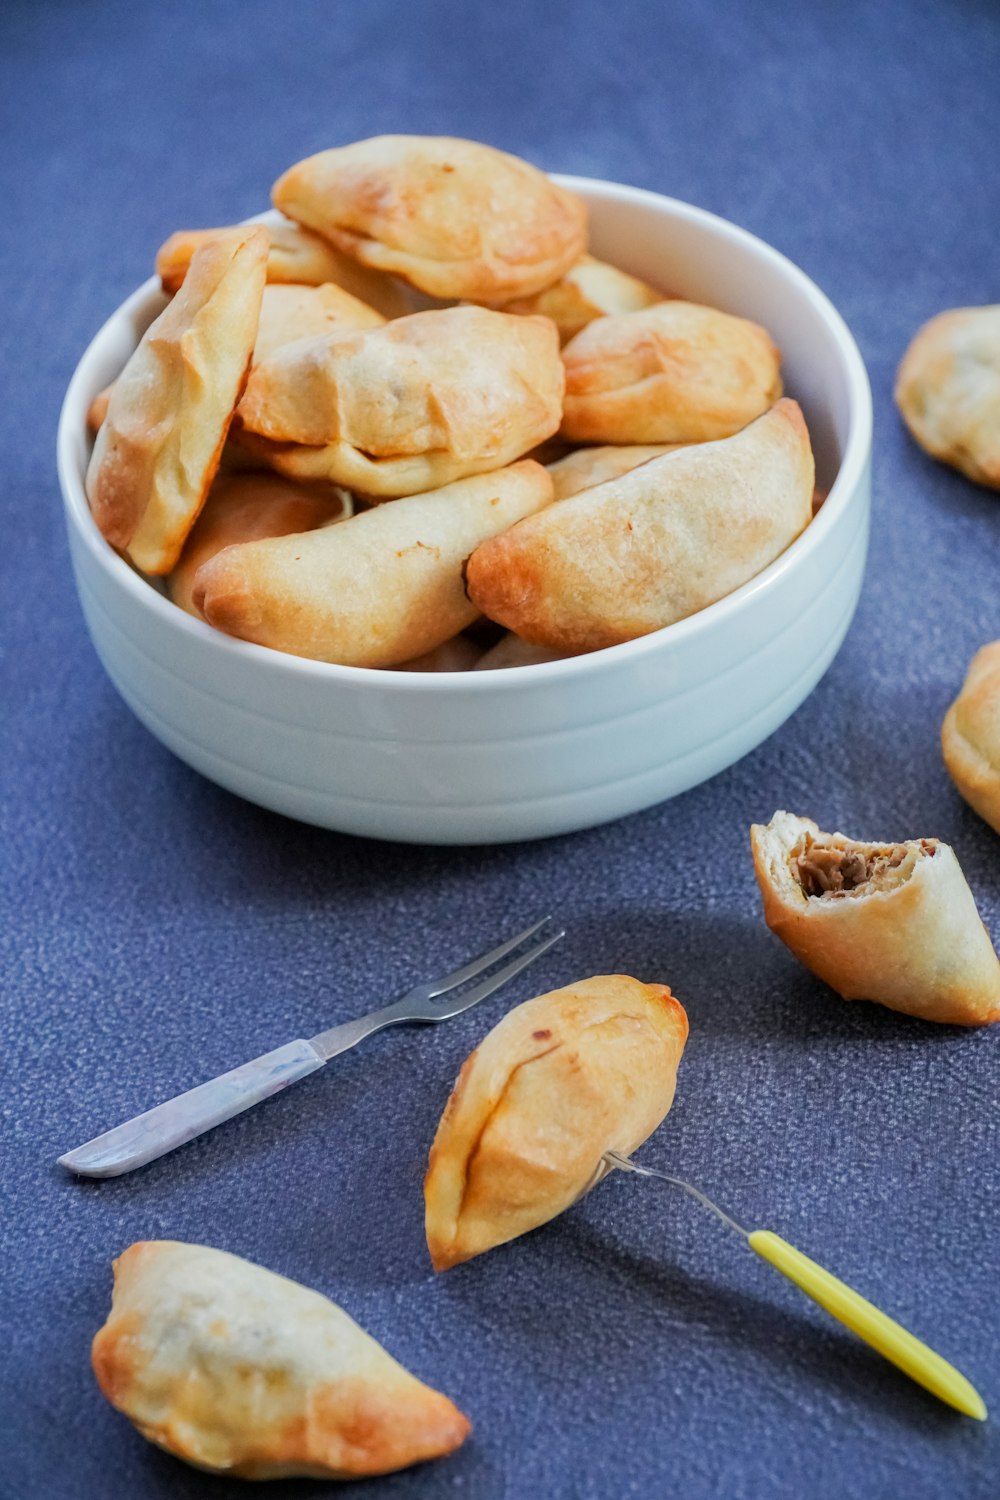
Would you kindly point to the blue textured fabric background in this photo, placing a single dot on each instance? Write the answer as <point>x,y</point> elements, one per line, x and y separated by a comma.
<point>156,931</point>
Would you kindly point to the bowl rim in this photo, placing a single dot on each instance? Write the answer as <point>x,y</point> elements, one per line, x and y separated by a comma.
<point>855,458</point>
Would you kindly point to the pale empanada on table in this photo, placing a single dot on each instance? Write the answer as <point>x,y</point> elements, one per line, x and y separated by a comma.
<point>247,508</point>
<point>158,448</point>
<point>560,1080</point>
<point>242,1372</point>
<point>375,590</point>
<point>452,217</point>
<point>676,372</point>
<point>970,735</point>
<point>296,257</point>
<point>585,467</point>
<point>891,922</point>
<point>590,289</point>
<point>629,556</point>
<point>411,406</point>
<point>948,390</point>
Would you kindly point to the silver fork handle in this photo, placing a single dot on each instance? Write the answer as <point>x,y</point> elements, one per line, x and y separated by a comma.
<point>181,1119</point>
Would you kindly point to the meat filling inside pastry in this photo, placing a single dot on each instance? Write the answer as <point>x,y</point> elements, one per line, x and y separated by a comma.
<point>560,1080</point>
<point>452,217</point>
<point>895,922</point>
<point>242,1372</point>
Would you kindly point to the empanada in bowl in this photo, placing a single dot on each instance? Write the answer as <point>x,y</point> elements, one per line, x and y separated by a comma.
<point>948,390</point>
<point>375,590</point>
<point>290,313</point>
<point>414,405</point>
<point>452,217</point>
<point>585,467</point>
<point>248,508</point>
<point>158,448</point>
<point>242,1372</point>
<point>629,556</point>
<point>560,1080</point>
<point>590,289</point>
<point>895,923</point>
<point>970,735</point>
<point>295,257</point>
<point>672,373</point>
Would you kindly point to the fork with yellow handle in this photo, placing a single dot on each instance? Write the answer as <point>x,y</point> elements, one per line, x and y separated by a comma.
<point>883,1333</point>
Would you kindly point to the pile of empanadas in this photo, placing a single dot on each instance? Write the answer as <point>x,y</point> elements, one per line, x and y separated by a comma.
<point>329,442</point>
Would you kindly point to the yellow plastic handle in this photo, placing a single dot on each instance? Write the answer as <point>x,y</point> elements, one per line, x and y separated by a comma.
<point>863,1318</point>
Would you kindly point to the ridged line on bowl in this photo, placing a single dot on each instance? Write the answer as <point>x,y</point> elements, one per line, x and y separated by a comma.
<point>277,792</point>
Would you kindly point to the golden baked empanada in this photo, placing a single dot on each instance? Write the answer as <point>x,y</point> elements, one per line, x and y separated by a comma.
<point>247,508</point>
<point>948,390</point>
<point>158,448</point>
<point>626,557</point>
<point>673,373</point>
<point>295,256</point>
<point>590,289</point>
<point>373,591</point>
<point>970,735</point>
<point>559,1081</point>
<point>242,1372</point>
<point>585,467</point>
<point>289,313</point>
<point>452,217</point>
<point>410,406</point>
<point>895,923</point>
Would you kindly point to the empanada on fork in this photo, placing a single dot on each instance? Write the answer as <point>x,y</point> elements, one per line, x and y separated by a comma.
<point>560,1080</point>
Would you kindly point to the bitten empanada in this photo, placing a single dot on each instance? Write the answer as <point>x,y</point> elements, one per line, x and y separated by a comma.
<point>289,313</point>
<point>585,467</point>
<point>895,923</point>
<point>375,590</point>
<point>634,554</point>
<point>948,390</point>
<point>590,289</point>
<point>296,257</point>
<point>411,406</point>
<point>673,373</point>
<point>452,217</point>
<point>158,448</point>
<point>559,1081</point>
<point>242,1372</point>
<point>247,508</point>
<point>970,735</point>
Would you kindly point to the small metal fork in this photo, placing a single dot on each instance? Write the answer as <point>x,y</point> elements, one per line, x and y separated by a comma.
<point>179,1120</point>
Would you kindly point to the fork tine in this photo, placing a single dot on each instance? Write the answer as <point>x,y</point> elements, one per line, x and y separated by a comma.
<point>494,981</point>
<point>477,965</point>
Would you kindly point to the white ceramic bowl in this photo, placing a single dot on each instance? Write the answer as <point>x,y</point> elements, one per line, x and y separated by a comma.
<point>524,752</point>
